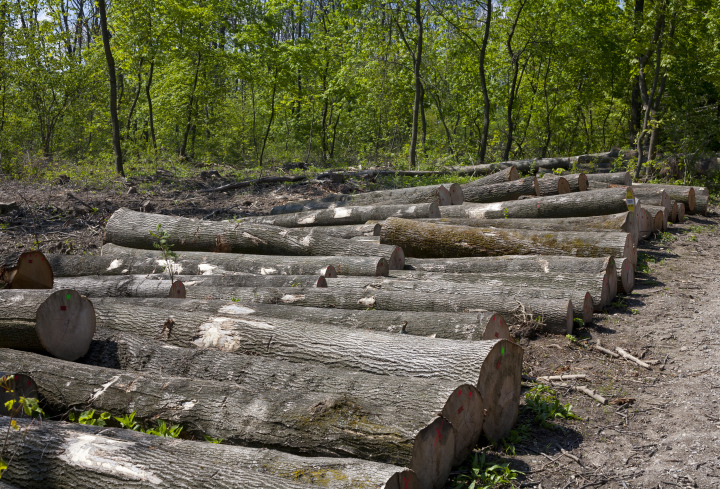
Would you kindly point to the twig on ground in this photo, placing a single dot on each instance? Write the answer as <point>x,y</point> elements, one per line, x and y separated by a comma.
<point>628,356</point>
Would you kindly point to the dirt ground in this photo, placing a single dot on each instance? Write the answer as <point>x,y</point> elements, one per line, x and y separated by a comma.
<point>664,435</point>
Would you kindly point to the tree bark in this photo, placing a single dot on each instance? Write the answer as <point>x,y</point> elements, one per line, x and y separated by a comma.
<point>207,263</point>
<point>428,240</point>
<point>151,118</point>
<point>347,215</point>
<point>117,458</point>
<point>673,213</point>
<point>652,196</point>
<point>681,212</point>
<point>483,84</point>
<point>551,185</point>
<point>191,102</point>
<point>660,223</point>
<point>679,193</point>
<point>507,175</point>
<point>499,192</point>
<point>130,228</point>
<point>430,194</point>
<point>240,280</point>
<point>117,149</point>
<point>621,222</point>
<point>617,178</point>
<point>581,204</point>
<point>306,416</point>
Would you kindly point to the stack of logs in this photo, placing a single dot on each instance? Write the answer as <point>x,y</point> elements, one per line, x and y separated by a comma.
<point>354,341</point>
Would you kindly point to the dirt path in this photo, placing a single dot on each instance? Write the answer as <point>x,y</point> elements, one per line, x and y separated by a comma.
<point>670,435</point>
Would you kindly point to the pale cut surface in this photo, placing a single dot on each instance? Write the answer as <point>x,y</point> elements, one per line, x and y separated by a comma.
<point>33,272</point>
<point>177,290</point>
<point>65,324</point>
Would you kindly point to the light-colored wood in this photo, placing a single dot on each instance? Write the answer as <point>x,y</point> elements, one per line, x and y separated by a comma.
<point>551,185</point>
<point>177,290</point>
<point>628,356</point>
<point>65,324</point>
<point>32,271</point>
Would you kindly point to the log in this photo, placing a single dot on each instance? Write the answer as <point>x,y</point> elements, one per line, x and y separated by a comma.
<point>584,305</point>
<point>351,231</point>
<point>14,386</point>
<point>578,181</point>
<point>517,263</point>
<point>498,192</point>
<point>130,228</point>
<point>551,185</point>
<point>346,215</point>
<point>602,286</point>
<point>679,193</point>
<point>652,196</point>
<point>622,222</point>
<point>257,264</point>
<point>681,212</point>
<point>29,270</point>
<point>61,324</point>
<point>464,412</point>
<point>660,216</point>
<point>246,280</point>
<point>615,178</point>
<point>625,276</point>
<point>256,181</point>
<point>702,199</point>
<point>428,240</point>
<point>507,175</point>
<point>646,222</point>
<point>59,454</point>
<point>580,204</point>
<point>428,194</point>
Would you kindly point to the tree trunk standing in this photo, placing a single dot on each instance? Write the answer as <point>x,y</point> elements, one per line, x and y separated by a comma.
<point>270,122</point>
<point>483,85</point>
<point>117,149</point>
<point>191,103</point>
<point>134,102</point>
<point>515,62</point>
<point>116,458</point>
<point>151,119</point>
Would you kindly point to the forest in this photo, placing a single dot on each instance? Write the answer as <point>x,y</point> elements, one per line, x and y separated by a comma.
<point>335,83</point>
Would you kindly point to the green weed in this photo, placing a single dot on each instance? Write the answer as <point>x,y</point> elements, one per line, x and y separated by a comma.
<point>543,402</point>
<point>482,474</point>
<point>692,237</point>
<point>88,418</point>
<point>666,237</point>
<point>163,237</point>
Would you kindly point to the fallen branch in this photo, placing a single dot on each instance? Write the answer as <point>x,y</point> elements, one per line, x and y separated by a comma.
<point>257,181</point>
<point>599,348</point>
<point>591,393</point>
<point>627,356</point>
<point>568,454</point>
<point>562,377</point>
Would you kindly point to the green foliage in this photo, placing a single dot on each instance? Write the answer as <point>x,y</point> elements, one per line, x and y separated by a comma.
<point>666,237</point>
<point>128,422</point>
<point>168,256</point>
<point>643,262</point>
<point>484,474</point>
<point>29,406</point>
<point>210,439</point>
<point>545,405</point>
<point>165,429</point>
<point>88,417</point>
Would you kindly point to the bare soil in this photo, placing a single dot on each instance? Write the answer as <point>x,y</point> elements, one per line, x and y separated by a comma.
<point>661,428</point>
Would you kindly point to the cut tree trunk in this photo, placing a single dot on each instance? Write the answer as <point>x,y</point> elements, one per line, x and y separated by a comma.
<point>209,263</point>
<point>702,199</point>
<point>652,196</point>
<point>681,212</point>
<point>679,193</point>
<point>660,223</point>
<point>130,228</point>
<point>578,181</point>
<point>494,367</point>
<point>516,263</point>
<point>242,280</point>
<point>551,185</point>
<point>351,231</point>
<point>602,286</point>
<point>61,324</point>
<point>116,458</point>
<point>346,215</point>
<point>499,192</point>
<point>579,204</point>
<point>436,194</point>
<point>428,240</point>
<point>464,412</point>
<point>304,415</point>
<point>29,270</point>
<point>622,222</point>
<point>616,178</point>
<point>673,214</point>
<point>626,276</point>
<point>507,175</point>
<point>583,303</point>
<point>646,222</point>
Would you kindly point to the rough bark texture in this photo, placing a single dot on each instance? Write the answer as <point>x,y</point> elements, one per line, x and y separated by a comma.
<point>622,222</point>
<point>616,178</point>
<point>551,185</point>
<point>428,240</point>
<point>602,286</point>
<point>513,263</point>
<point>578,181</point>
<point>507,175</point>
<point>652,196</point>
<point>29,270</point>
<point>673,213</point>
<point>626,276</point>
<point>702,198</point>
<point>130,228</point>
<point>56,454</point>
<point>260,411</point>
<point>436,194</point>
<point>247,280</point>
<point>580,204</point>
<point>679,193</point>
<point>208,263</point>
<point>660,215</point>
<point>499,192</point>
<point>347,215</point>
<point>681,212</point>
<point>350,230</point>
